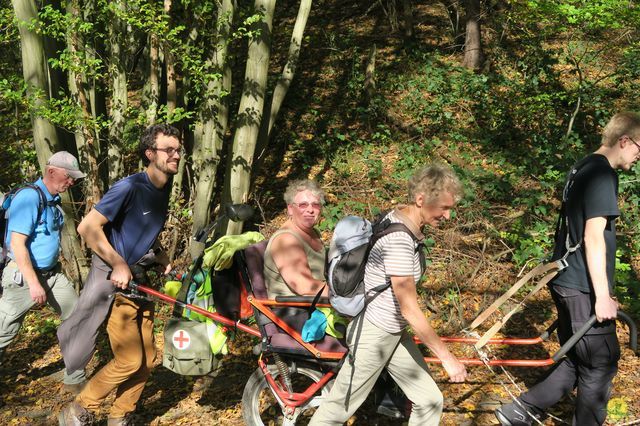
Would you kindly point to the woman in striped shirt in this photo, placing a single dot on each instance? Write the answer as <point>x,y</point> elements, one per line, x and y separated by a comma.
<point>377,337</point>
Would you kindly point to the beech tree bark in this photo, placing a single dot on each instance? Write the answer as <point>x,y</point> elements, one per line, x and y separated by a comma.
<point>214,119</point>
<point>45,138</point>
<point>473,54</point>
<point>119,94</point>
<point>250,113</point>
<point>86,139</point>
<point>284,82</point>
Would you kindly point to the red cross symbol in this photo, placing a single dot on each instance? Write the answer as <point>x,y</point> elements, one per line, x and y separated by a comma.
<point>181,339</point>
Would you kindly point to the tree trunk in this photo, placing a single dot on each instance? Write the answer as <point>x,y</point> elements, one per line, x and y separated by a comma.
<point>119,95</point>
<point>172,103</point>
<point>407,24</point>
<point>214,117</point>
<point>45,138</point>
<point>86,139</point>
<point>250,112</point>
<point>473,55</point>
<point>153,95</point>
<point>94,48</point>
<point>370,75</point>
<point>284,82</point>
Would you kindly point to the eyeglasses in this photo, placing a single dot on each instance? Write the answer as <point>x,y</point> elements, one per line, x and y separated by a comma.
<point>304,205</point>
<point>634,142</point>
<point>67,176</point>
<point>169,151</point>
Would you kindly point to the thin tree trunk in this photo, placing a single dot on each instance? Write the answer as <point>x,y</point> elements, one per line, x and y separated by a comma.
<point>407,13</point>
<point>250,112</point>
<point>45,138</point>
<point>284,82</point>
<point>86,140</point>
<point>172,103</point>
<point>473,55</point>
<point>154,78</point>
<point>289,71</point>
<point>94,48</point>
<point>215,119</point>
<point>370,75</point>
<point>119,98</point>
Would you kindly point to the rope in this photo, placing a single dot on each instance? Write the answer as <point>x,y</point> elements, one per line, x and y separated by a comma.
<point>483,355</point>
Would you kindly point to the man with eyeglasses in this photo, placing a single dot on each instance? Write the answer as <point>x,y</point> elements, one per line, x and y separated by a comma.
<point>33,275</point>
<point>586,238</point>
<point>122,231</point>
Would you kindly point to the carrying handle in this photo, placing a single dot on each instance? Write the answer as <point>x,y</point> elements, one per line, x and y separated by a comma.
<point>622,316</point>
<point>574,339</point>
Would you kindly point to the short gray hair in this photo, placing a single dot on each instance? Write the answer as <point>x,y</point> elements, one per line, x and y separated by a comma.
<point>300,185</point>
<point>433,180</point>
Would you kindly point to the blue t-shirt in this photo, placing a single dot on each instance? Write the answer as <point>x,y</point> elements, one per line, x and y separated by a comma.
<point>136,211</point>
<point>43,240</point>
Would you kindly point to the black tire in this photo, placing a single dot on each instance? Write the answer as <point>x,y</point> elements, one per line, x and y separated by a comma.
<point>260,407</point>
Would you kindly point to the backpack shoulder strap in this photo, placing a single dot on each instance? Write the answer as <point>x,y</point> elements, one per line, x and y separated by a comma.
<point>563,220</point>
<point>43,198</point>
<point>385,227</point>
<point>42,202</point>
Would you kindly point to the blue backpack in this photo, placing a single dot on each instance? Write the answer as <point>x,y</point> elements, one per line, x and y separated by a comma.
<point>353,238</point>
<point>5,203</point>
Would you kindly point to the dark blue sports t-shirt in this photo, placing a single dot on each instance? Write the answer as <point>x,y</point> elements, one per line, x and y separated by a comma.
<point>136,211</point>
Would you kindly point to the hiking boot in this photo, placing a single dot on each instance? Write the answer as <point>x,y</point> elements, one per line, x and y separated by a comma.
<point>74,388</point>
<point>518,414</point>
<point>120,421</point>
<point>73,414</point>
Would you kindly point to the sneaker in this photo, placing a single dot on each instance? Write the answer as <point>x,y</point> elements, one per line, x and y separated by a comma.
<point>73,414</point>
<point>514,414</point>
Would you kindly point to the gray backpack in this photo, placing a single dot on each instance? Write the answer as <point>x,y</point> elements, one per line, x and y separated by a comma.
<point>353,238</point>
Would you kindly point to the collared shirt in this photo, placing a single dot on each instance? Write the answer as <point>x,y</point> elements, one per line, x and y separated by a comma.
<point>43,242</point>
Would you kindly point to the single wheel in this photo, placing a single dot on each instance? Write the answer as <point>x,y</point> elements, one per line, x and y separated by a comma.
<point>261,407</point>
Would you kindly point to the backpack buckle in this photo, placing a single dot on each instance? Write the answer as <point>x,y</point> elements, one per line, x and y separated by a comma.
<point>562,264</point>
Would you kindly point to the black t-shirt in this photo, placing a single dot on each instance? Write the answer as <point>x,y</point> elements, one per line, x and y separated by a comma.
<point>593,192</point>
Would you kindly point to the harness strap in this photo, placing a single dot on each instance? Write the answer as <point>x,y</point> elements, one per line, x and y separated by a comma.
<point>498,325</point>
<point>543,268</point>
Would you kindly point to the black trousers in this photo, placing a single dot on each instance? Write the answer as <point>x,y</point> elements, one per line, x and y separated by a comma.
<point>590,366</point>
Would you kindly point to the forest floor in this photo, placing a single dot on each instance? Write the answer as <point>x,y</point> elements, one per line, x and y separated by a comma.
<point>32,393</point>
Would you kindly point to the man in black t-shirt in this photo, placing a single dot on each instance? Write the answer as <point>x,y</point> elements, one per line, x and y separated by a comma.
<point>586,236</point>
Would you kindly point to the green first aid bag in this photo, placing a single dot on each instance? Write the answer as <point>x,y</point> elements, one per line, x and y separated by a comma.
<point>186,348</point>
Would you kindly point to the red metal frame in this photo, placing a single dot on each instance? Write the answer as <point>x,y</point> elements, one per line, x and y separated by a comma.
<point>214,316</point>
<point>295,399</point>
<point>263,305</point>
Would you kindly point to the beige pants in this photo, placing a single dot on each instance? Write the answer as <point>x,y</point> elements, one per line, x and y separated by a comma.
<point>130,328</point>
<point>373,349</point>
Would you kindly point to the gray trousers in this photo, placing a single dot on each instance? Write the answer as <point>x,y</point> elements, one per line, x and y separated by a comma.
<point>77,335</point>
<point>372,350</point>
<point>16,302</point>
